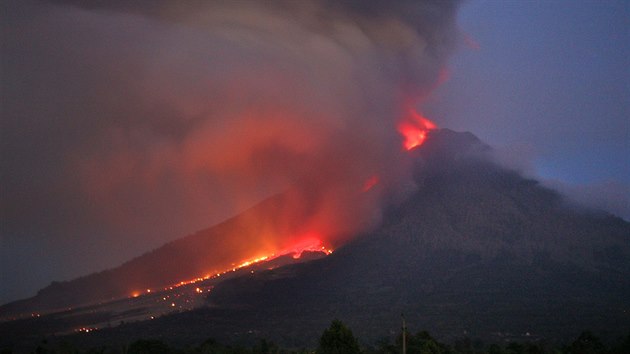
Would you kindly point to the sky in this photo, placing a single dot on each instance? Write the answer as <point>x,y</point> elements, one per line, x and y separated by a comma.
<point>546,83</point>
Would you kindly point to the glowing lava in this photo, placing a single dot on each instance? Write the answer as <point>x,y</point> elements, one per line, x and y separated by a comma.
<point>414,129</point>
<point>308,243</point>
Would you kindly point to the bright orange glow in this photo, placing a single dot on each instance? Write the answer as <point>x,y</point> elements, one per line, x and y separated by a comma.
<point>309,243</point>
<point>85,329</point>
<point>414,129</point>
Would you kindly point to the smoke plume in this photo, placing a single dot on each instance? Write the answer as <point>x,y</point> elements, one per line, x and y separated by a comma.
<point>144,120</point>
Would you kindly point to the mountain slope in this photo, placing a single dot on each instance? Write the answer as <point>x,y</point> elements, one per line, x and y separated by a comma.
<point>209,251</point>
<point>476,251</point>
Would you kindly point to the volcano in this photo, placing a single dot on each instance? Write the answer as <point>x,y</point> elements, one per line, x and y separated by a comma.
<point>477,251</point>
<point>236,243</point>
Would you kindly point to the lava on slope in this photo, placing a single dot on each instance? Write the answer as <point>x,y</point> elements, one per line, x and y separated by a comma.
<point>414,129</point>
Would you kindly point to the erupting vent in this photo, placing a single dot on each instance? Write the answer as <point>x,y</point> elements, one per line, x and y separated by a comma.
<point>414,129</point>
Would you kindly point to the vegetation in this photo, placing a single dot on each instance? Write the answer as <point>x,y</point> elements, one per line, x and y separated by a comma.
<point>338,339</point>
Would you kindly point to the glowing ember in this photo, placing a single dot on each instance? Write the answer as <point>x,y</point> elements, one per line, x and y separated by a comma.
<point>85,329</point>
<point>414,129</point>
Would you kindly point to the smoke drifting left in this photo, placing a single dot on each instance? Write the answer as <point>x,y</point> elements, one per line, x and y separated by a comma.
<point>142,121</point>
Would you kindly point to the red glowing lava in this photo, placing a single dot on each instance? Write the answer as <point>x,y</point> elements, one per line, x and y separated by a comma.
<point>309,243</point>
<point>414,129</point>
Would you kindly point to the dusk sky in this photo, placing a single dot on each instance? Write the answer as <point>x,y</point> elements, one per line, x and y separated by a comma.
<point>550,85</point>
<point>546,83</point>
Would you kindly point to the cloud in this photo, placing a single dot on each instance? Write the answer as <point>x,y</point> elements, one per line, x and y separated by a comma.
<point>140,121</point>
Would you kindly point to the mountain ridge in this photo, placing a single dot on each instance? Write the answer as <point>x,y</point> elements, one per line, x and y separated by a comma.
<point>208,251</point>
<point>476,250</point>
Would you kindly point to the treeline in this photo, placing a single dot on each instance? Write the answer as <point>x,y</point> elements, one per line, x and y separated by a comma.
<point>339,339</point>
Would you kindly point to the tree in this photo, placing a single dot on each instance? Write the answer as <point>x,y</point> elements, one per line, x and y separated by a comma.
<point>211,346</point>
<point>338,339</point>
<point>423,343</point>
<point>623,346</point>
<point>265,347</point>
<point>586,343</point>
<point>148,347</point>
<point>420,343</point>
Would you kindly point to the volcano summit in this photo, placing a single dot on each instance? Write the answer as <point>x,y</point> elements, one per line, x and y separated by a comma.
<point>476,251</point>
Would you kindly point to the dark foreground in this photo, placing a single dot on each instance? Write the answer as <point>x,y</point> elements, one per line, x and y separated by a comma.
<point>339,339</point>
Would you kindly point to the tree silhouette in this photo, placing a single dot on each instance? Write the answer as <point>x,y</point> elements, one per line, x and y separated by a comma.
<point>338,339</point>
<point>586,343</point>
<point>142,346</point>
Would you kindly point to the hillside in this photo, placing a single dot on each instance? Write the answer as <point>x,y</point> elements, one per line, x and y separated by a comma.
<point>477,251</point>
<point>209,251</point>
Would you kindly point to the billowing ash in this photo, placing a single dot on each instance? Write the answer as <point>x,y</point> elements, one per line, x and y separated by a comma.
<point>140,116</point>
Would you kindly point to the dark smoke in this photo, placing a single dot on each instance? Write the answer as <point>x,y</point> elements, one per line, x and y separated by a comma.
<point>128,123</point>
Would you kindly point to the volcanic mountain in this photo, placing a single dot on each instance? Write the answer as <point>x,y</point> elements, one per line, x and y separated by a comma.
<point>477,251</point>
<point>232,244</point>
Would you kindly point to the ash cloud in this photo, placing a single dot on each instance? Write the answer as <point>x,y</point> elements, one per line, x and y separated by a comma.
<point>125,124</point>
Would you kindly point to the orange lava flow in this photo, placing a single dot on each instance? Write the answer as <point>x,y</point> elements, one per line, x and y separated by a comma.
<point>414,129</point>
<point>309,243</point>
